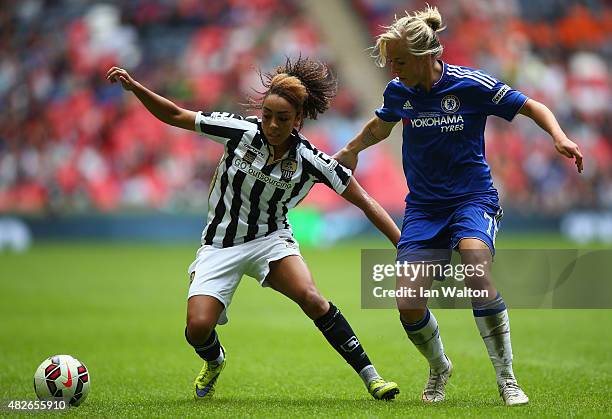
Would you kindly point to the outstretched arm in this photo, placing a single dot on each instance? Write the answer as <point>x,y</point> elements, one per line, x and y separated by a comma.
<point>356,195</point>
<point>162,108</point>
<point>547,121</point>
<point>372,133</point>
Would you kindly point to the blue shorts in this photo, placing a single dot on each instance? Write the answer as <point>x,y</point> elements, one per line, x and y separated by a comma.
<point>443,228</point>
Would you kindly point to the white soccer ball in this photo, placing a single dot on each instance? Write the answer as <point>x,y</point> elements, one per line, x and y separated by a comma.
<point>62,378</point>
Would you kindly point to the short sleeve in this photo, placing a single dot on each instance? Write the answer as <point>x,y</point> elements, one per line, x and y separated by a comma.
<point>501,100</point>
<point>325,169</point>
<point>385,112</point>
<point>221,127</point>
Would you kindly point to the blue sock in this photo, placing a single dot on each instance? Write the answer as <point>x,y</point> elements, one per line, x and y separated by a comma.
<point>490,307</point>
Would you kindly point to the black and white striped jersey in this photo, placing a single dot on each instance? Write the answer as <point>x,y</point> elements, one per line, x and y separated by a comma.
<point>250,196</point>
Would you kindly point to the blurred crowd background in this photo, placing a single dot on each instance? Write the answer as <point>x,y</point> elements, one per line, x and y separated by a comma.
<point>70,142</point>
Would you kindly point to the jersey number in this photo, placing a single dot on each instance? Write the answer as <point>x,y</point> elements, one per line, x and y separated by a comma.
<point>321,157</point>
<point>493,226</point>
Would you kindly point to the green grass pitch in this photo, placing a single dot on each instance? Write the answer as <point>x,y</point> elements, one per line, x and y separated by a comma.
<point>121,310</point>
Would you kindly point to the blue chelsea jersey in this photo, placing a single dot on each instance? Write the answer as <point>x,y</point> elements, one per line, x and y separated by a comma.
<point>443,136</point>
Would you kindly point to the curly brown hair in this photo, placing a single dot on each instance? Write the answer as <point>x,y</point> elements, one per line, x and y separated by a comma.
<point>308,85</point>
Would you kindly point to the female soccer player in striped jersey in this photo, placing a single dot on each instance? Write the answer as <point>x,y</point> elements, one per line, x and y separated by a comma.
<point>452,203</point>
<point>268,167</point>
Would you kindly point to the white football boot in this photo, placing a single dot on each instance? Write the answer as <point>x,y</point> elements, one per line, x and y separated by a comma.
<point>435,389</point>
<point>512,394</point>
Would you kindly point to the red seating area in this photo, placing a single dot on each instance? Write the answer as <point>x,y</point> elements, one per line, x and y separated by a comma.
<point>71,142</point>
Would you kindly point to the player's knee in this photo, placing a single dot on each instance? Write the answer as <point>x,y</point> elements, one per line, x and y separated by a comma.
<point>200,327</point>
<point>313,303</point>
<point>476,256</point>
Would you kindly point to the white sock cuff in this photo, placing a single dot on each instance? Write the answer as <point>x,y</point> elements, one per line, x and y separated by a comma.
<point>368,374</point>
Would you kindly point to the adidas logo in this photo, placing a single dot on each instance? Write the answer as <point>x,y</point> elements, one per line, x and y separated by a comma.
<point>408,105</point>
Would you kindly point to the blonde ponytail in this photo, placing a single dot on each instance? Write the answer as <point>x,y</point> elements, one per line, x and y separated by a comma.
<point>431,17</point>
<point>418,30</point>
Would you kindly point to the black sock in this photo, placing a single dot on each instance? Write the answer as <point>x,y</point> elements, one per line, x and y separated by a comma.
<point>339,334</point>
<point>209,350</point>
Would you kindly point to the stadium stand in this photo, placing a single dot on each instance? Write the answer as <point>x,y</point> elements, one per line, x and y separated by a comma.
<point>70,142</point>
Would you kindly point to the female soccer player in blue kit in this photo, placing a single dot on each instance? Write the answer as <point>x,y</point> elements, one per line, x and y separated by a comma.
<point>452,203</point>
<point>267,168</point>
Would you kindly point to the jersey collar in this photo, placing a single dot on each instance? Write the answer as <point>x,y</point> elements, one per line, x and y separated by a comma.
<point>442,78</point>
<point>292,152</point>
<point>437,84</point>
<point>297,139</point>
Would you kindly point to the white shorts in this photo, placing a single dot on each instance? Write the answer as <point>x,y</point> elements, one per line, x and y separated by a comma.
<point>217,272</point>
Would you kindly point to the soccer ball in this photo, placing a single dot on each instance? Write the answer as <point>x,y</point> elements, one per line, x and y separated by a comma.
<point>62,377</point>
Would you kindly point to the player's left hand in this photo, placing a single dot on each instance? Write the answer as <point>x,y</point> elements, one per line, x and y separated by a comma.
<point>570,149</point>
<point>118,74</point>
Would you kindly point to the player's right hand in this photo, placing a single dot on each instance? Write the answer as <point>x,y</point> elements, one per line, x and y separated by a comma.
<point>347,158</point>
<point>119,74</point>
<point>570,149</point>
